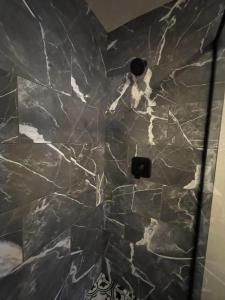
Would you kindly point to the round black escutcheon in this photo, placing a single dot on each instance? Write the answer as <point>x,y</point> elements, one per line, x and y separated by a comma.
<point>137,66</point>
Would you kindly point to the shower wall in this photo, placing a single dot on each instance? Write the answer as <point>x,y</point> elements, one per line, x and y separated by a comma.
<point>161,115</point>
<point>51,149</point>
<point>71,118</point>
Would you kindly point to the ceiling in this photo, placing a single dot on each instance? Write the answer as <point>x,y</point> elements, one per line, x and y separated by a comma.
<point>114,13</point>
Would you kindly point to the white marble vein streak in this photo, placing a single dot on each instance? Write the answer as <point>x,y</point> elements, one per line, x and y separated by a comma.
<point>122,90</point>
<point>77,90</point>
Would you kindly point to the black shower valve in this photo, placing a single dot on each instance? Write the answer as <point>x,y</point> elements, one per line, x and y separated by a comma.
<point>141,167</point>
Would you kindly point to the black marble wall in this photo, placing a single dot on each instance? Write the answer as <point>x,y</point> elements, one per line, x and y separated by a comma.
<point>161,115</point>
<point>71,118</point>
<point>51,148</point>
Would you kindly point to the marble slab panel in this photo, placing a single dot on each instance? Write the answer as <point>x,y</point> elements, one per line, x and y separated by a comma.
<point>30,171</point>
<point>189,129</point>
<point>47,116</point>
<point>35,44</point>
<point>47,218</point>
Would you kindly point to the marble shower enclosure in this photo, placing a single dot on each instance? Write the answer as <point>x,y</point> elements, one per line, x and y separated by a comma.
<point>71,118</point>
